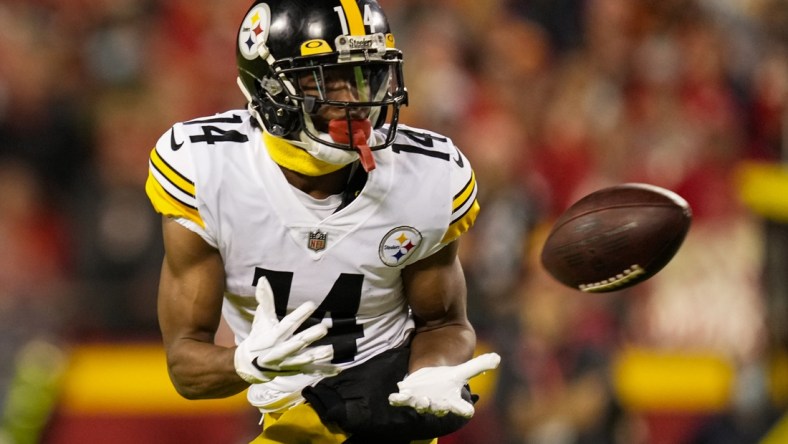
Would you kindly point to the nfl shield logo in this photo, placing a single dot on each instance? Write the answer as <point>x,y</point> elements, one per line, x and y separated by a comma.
<point>317,240</point>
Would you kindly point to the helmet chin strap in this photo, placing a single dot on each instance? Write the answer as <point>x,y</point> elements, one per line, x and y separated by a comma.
<point>339,131</point>
<point>354,132</point>
<point>322,151</point>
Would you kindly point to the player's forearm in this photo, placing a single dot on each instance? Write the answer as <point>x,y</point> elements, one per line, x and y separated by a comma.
<point>200,370</point>
<point>449,344</point>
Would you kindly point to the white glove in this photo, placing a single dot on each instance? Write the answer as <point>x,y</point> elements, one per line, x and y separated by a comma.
<point>272,350</point>
<point>437,390</point>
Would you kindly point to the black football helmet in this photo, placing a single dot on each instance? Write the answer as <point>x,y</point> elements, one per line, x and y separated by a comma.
<point>283,45</point>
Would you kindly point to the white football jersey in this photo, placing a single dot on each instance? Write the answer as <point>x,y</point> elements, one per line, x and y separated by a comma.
<point>216,177</point>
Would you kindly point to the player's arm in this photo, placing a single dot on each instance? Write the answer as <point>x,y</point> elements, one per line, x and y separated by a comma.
<point>440,364</point>
<point>436,291</point>
<point>190,301</point>
<point>189,307</point>
<point>441,349</point>
<point>435,286</point>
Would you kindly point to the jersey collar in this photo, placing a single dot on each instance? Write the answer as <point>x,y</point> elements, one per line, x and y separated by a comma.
<point>295,159</point>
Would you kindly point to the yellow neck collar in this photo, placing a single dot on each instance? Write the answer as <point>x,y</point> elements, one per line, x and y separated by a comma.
<point>293,158</point>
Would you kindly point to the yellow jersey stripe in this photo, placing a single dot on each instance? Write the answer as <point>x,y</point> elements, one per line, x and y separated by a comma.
<point>175,178</point>
<point>354,18</point>
<point>167,204</point>
<point>462,224</point>
<point>461,197</point>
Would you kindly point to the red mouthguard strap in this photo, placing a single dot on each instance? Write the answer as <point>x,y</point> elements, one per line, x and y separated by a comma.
<point>338,130</point>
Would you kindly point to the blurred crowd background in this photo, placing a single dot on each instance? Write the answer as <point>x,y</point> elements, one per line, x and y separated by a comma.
<point>550,100</point>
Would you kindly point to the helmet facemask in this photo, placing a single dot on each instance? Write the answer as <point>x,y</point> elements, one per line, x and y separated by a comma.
<point>341,102</point>
<point>323,103</point>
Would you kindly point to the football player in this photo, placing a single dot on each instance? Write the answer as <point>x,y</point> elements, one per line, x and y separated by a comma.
<point>326,235</point>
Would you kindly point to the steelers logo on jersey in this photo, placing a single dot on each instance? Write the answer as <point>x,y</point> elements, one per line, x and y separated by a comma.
<point>254,31</point>
<point>398,245</point>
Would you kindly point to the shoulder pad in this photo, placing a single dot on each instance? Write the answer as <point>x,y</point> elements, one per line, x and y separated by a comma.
<point>170,185</point>
<point>465,206</point>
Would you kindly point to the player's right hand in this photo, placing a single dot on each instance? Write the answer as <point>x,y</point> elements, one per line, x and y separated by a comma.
<point>271,349</point>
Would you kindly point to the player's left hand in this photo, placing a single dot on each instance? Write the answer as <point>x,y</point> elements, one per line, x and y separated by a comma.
<point>437,390</point>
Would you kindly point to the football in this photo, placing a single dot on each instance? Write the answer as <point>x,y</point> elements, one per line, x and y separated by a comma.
<point>616,237</point>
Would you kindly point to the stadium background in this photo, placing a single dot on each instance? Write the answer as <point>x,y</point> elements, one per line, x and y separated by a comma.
<point>550,99</point>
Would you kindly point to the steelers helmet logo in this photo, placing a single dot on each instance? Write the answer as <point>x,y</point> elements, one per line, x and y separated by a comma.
<point>398,245</point>
<point>254,31</point>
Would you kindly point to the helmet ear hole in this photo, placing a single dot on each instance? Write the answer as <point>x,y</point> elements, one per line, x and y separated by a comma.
<point>274,116</point>
<point>277,120</point>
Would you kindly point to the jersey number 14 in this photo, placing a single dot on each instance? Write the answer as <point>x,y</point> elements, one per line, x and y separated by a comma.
<point>341,304</point>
